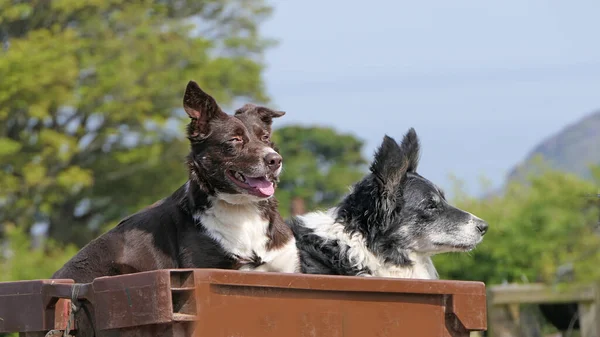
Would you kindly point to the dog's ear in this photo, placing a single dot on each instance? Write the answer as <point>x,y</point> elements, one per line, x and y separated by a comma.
<point>201,108</point>
<point>410,149</point>
<point>246,108</point>
<point>265,114</point>
<point>389,166</point>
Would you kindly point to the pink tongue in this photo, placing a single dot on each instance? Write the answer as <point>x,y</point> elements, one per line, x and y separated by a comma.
<point>263,185</point>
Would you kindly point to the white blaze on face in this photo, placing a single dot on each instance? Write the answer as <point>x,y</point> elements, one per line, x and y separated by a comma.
<point>269,150</point>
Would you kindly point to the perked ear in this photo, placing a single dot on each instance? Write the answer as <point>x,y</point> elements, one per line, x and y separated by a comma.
<point>389,166</point>
<point>393,161</point>
<point>201,108</point>
<point>410,149</point>
<point>265,114</point>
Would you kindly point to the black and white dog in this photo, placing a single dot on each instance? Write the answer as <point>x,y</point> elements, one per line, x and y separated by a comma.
<point>390,224</point>
<point>224,216</point>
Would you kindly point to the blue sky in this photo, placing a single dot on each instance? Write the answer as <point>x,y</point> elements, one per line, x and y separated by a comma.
<point>482,82</point>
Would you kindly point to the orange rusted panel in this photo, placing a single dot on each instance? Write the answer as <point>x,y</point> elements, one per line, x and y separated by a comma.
<point>208,302</point>
<point>259,304</point>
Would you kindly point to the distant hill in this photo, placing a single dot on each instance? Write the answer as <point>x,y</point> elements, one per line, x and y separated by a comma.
<point>573,149</point>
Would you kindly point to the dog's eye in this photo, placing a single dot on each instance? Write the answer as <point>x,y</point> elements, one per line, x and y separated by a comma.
<point>266,138</point>
<point>236,139</point>
<point>432,206</point>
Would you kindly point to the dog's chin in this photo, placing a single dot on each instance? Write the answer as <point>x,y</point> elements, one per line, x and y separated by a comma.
<point>257,188</point>
<point>446,247</point>
<point>458,248</point>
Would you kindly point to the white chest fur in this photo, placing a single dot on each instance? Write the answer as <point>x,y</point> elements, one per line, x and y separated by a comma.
<point>241,230</point>
<point>422,268</point>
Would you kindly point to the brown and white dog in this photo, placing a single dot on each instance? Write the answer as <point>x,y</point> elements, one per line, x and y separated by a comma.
<point>224,216</point>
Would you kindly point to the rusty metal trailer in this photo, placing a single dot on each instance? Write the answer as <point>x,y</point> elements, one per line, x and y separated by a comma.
<point>223,303</point>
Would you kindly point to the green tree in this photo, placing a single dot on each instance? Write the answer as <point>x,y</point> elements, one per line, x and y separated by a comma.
<point>20,262</point>
<point>319,166</point>
<point>89,96</point>
<point>536,226</point>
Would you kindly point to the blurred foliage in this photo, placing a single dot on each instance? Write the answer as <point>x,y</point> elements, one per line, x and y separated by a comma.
<point>20,261</point>
<point>319,166</point>
<point>548,221</point>
<point>88,92</point>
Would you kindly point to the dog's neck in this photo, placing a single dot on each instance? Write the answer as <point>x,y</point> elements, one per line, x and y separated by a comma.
<point>414,265</point>
<point>421,267</point>
<point>194,198</point>
<point>248,231</point>
<point>249,235</point>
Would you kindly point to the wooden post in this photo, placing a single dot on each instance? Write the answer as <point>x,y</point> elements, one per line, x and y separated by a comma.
<point>490,312</point>
<point>501,298</point>
<point>589,315</point>
<point>587,320</point>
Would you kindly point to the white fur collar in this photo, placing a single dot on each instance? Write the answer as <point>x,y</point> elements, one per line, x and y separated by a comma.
<point>324,225</point>
<point>242,231</point>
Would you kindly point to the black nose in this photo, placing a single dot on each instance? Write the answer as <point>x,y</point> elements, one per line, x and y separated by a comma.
<point>482,226</point>
<point>273,161</point>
